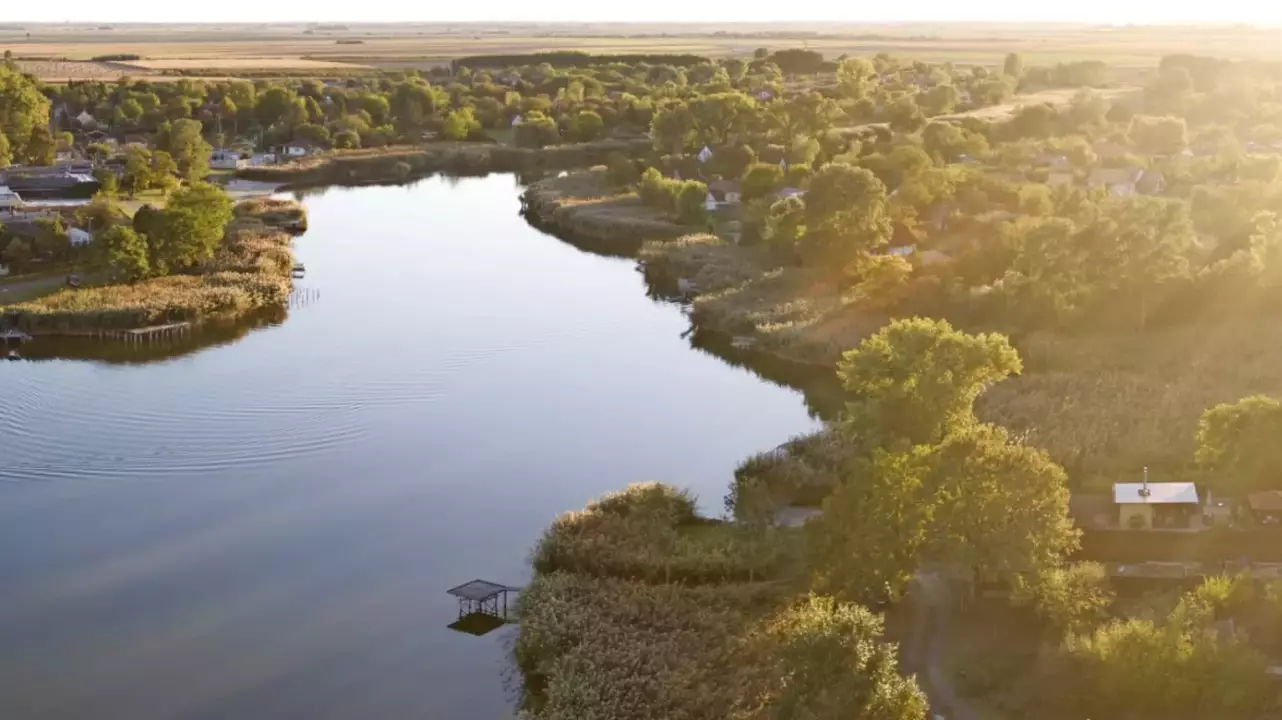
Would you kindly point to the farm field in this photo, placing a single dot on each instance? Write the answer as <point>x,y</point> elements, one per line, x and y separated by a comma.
<point>61,50</point>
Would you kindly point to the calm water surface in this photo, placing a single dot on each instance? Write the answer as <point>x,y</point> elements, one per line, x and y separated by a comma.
<point>266,528</point>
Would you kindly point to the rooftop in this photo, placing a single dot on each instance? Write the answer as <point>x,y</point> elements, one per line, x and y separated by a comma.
<point>1162,493</point>
<point>1266,500</point>
<point>478,590</point>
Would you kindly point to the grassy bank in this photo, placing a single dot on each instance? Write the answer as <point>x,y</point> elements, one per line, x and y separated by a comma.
<point>583,207</point>
<point>639,609</point>
<point>250,271</point>
<point>390,165</point>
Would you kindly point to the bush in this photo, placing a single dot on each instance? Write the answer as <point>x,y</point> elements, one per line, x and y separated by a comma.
<point>621,170</point>
<point>690,203</point>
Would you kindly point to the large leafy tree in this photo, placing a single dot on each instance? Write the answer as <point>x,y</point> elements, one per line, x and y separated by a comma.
<point>23,110</point>
<point>721,116</point>
<point>857,77</point>
<point>833,663</point>
<point>916,380</point>
<point>977,500</point>
<point>125,252</point>
<point>846,214</point>
<point>186,145</point>
<point>1239,445</point>
<point>187,232</point>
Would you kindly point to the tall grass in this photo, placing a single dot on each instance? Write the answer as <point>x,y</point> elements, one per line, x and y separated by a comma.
<point>250,271</point>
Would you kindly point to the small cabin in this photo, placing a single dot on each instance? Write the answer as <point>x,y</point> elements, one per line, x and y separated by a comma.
<point>1157,506</point>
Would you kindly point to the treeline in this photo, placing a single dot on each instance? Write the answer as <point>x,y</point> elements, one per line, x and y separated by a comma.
<point>120,57</point>
<point>575,59</point>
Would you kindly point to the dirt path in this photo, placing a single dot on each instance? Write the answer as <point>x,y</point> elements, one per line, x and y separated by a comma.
<point>932,603</point>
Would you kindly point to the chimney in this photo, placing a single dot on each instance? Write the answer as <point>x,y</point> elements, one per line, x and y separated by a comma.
<point>1144,491</point>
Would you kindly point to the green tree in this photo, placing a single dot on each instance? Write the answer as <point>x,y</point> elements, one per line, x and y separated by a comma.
<point>187,232</point>
<point>846,213</point>
<point>1013,66</point>
<point>137,175</point>
<point>51,239</point>
<point>23,109</point>
<point>833,663</point>
<point>1159,135</point>
<point>977,501</point>
<point>41,149</point>
<point>1072,599</point>
<point>274,105</point>
<point>939,100</point>
<point>905,116</point>
<point>760,180</point>
<point>460,124</point>
<point>856,78</point>
<point>673,129</point>
<point>916,380</point>
<point>125,252</point>
<point>18,253</point>
<point>163,172</point>
<point>587,126</point>
<point>1238,446</point>
<point>785,225</point>
<point>690,203</point>
<point>719,117</point>
<point>187,146</point>
<point>537,130</point>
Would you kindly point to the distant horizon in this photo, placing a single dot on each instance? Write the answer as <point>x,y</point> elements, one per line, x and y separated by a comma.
<point>1090,12</point>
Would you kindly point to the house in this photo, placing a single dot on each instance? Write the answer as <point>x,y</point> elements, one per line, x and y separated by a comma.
<point>299,148</point>
<point>221,159</point>
<point>86,120</point>
<point>710,203</point>
<point>78,237</point>
<point>1120,182</point>
<point>1151,182</point>
<point>138,139</point>
<point>784,193</point>
<point>4,270</point>
<point>8,198</point>
<point>705,154</point>
<point>1266,507</point>
<point>516,121</point>
<point>726,191</point>
<point>1146,505</point>
<point>765,95</point>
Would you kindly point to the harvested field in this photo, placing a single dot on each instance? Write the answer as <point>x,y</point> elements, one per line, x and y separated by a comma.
<point>189,48</point>
<point>73,70</point>
<point>238,63</point>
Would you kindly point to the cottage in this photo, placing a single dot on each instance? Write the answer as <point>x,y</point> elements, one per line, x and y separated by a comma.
<point>299,148</point>
<point>1119,182</point>
<point>86,120</point>
<point>78,237</point>
<point>8,198</point>
<point>1145,505</point>
<point>726,191</point>
<point>221,159</point>
<point>1266,507</point>
<point>705,154</point>
<point>710,203</point>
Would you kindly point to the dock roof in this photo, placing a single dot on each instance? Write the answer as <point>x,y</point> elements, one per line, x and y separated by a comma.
<point>478,590</point>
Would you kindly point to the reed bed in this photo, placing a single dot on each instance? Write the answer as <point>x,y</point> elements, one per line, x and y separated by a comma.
<point>250,271</point>
<point>649,533</point>
<point>584,205</point>
<point>593,648</point>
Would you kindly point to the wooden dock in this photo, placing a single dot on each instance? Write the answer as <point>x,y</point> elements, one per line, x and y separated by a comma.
<point>142,334</point>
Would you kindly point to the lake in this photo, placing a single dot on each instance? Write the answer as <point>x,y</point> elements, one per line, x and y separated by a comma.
<point>266,527</point>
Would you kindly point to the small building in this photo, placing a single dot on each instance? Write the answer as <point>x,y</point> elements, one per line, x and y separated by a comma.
<point>516,121</point>
<point>1151,182</point>
<point>1161,505</point>
<point>1266,507</point>
<point>710,203</point>
<point>705,154</point>
<point>726,191</point>
<point>4,270</point>
<point>78,237</point>
<point>1119,182</point>
<point>86,120</point>
<point>299,148</point>
<point>8,198</point>
<point>784,193</point>
<point>222,159</point>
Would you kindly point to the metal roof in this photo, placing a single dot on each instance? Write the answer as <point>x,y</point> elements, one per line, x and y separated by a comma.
<point>1162,493</point>
<point>478,590</point>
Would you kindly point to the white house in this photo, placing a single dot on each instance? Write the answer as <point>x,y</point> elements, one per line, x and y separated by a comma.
<point>224,159</point>
<point>85,119</point>
<point>8,198</point>
<point>705,154</point>
<point>710,203</point>
<point>299,148</point>
<point>516,121</point>
<point>79,237</point>
<point>1145,505</point>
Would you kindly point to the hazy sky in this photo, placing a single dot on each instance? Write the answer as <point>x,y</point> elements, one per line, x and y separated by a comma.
<point>1103,11</point>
